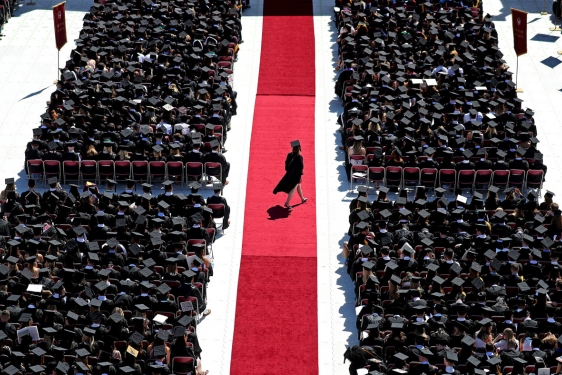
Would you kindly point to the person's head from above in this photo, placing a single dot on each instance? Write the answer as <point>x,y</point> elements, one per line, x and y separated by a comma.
<point>296,146</point>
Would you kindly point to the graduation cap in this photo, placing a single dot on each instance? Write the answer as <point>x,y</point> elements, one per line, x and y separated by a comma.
<point>185,320</point>
<point>478,283</point>
<point>116,317</point>
<point>473,360</point>
<point>25,318</point>
<point>431,267</point>
<point>38,351</point>
<point>163,289</point>
<point>438,280</point>
<point>457,281</point>
<point>12,370</point>
<point>81,353</point>
<point>160,351</point>
<point>391,265</point>
<point>132,351</point>
<point>37,369</point>
<point>547,242</point>
<point>468,341</point>
<point>494,360</point>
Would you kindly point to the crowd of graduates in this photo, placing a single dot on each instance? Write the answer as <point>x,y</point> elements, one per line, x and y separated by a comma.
<point>7,9</point>
<point>446,282</point>
<point>109,280</point>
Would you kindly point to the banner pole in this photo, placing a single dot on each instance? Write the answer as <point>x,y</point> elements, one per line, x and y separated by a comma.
<point>58,64</point>
<point>544,13</point>
<point>517,88</point>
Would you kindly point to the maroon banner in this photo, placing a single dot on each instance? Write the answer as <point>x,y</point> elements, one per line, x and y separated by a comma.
<point>60,24</point>
<point>519,21</point>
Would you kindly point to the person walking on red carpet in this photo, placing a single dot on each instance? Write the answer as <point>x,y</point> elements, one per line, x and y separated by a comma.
<point>291,181</point>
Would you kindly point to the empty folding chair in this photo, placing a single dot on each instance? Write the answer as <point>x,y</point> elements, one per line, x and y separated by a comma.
<point>500,179</point>
<point>482,179</point>
<point>139,170</point>
<point>52,169</point>
<point>35,169</point>
<point>428,177</point>
<point>376,175</point>
<point>175,171</point>
<point>411,176</point>
<point>89,170</point>
<point>193,170</point>
<point>534,179</point>
<point>517,178</point>
<point>466,179</point>
<point>393,176</point>
<point>212,170</point>
<point>447,178</point>
<point>122,170</point>
<point>106,169</point>
<point>157,169</point>
<point>70,171</point>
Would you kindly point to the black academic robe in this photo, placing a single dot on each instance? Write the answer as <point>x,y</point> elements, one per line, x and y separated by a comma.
<point>294,166</point>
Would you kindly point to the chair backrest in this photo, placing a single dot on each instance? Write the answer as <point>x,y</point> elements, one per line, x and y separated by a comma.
<point>501,173</point>
<point>175,164</point>
<point>196,241</point>
<point>136,164</point>
<point>428,173</point>
<point>182,365</point>
<point>411,170</point>
<point>411,173</point>
<point>157,167</point>
<point>35,166</point>
<point>51,164</point>
<point>484,172</point>
<point>218,209</point>
<point>535,178</point>
<point>199,127</point>
<point>194,168</point>
<point>212,166</point>
<point>447,172</point>
<point>466,172</point>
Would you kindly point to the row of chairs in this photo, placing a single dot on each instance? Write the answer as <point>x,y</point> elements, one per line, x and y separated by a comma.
<point>446,178</point>
<point>123,170</point>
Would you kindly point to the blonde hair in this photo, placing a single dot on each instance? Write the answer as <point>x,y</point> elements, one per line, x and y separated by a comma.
<point>91,151</point>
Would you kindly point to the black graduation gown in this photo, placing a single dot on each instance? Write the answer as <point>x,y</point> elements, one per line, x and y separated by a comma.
<point>294,166</point>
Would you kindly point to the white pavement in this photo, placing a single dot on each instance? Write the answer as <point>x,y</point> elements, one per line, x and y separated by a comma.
<point>28,62</point>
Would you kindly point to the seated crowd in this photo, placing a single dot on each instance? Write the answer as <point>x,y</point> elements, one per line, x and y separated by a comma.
<point>99,280</point>
<point>452,284</point>
<point>7,9</point>
<point>426,87</point>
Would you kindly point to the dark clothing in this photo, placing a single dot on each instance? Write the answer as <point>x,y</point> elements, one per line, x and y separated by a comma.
<point>294,166</point>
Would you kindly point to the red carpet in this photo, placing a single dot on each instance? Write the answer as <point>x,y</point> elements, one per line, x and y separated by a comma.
<point>276,324</point>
